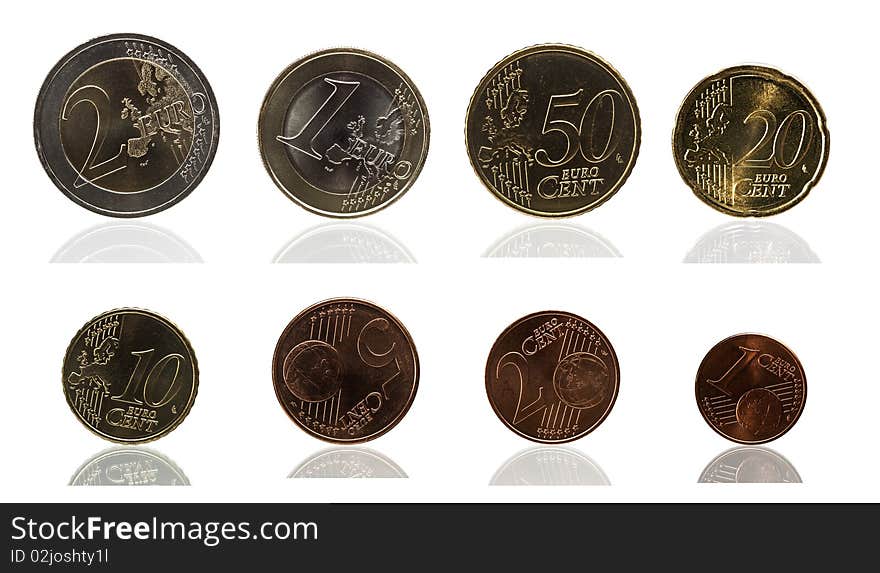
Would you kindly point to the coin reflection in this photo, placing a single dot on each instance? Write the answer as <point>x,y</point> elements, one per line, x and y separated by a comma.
<point>552,240</point>
<point>344,243</point>
<point>126,243</point>
<point>550,465</point>
<point>750,464</point>
<point>128,465</point>
<point>348,462</point>
<point>751,242</point>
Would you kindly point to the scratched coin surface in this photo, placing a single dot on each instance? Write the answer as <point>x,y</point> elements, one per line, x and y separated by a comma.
<point>751,389</point>
<point>553,130</point>
<point>552,377</point>
<point>130,375</point>
<point>750,141</point>
<point>126,125</point>
<point>345,370</point>
<point>343,132</point>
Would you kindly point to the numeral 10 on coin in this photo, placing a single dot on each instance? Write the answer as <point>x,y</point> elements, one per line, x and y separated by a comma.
<point>137,391</point>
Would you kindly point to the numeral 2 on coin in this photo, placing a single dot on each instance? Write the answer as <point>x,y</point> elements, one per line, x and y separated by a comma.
<point>92,168</point>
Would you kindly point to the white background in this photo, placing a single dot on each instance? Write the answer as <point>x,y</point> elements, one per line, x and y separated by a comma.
<point>660,314</point>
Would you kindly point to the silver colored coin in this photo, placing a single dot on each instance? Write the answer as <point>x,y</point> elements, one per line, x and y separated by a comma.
<point>126,125</point>
<point>343,132</point>
<point>750,464</point>
<point>550,465</point>
<point>348,463</point>
<point>128,466</point>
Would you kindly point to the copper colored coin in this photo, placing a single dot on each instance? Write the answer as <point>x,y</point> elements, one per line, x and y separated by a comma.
<point>751,389</point>
<point>552,377</point>
<point>345,370</point>
<point>130,375</point>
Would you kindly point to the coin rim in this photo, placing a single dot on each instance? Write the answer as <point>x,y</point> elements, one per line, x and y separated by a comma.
<point>751,442</point>
<point>578,51</point>
<point>186,344</point>
<point>795,84</point>
<point>598,422</point>
<point>341,50</point>
<point>276,383</point>
<point>212,103</point>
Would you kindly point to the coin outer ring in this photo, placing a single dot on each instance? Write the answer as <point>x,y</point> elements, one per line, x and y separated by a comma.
<point>797,417</point>
<point>176,330</point>
<point>801,89</point>
<point>570,49</point>
<point>601,419</point>
<point>267,155</point>
<point>277,384</point>
<point>211,105</point>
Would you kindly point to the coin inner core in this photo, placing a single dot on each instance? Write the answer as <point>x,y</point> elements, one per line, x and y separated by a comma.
<point>344,133</point>
<point>126,125</point>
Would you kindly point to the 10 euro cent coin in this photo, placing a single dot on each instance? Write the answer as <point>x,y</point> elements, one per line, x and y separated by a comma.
<point>130,375</point>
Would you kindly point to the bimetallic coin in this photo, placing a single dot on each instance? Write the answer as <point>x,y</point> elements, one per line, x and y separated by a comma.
<point>130,375</point>
<point>126,125</point>
<point>750,141</point>
<point>343,132</point>
<point>750,388</point>
<point>553,130</point>
<point>552,377</point>
<point>345,370</point>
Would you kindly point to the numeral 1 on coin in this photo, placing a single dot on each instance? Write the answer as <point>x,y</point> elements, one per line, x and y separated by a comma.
<point>305,139</point>
<point>723,383</point>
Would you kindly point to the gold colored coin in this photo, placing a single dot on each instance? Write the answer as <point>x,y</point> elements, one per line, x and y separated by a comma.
<point>553,130</point>
<point>130,376</point>
<point>750,141</point>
